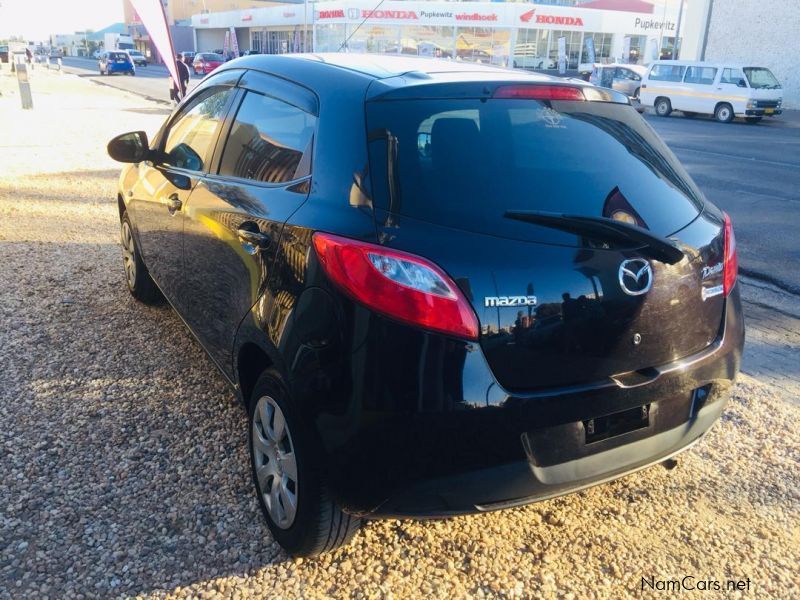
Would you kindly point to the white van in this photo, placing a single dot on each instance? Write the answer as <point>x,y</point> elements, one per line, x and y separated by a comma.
<point>724,90</point>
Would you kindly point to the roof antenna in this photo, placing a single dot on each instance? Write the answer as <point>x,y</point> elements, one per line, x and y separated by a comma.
<point>369,14</point>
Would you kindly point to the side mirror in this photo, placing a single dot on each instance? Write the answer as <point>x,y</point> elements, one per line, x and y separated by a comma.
<point>742,83</point>
<point>129,147</point>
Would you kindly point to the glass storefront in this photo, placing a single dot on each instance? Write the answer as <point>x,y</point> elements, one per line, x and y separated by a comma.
<point>636,55</point>
<point>501,36</point>
<point>329,38</point>
<point>483,45</point>
<point>602,46</point>
<point>574,39</point>
<point>428,41</point>
<point>530,50</point>
<point>279,42</point>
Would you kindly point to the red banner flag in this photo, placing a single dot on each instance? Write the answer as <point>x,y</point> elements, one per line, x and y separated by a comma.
<point>151,14</point>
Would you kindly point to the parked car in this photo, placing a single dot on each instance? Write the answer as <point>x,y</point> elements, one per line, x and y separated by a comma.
<point>403,346</point>
<point>4,54</point>
<point>139,59</point>
<point>623,78</point>
<point>205,62</point>
<point>724,90</point>
<point>96,54</point>
<point>116,61</point>
<point>56,53</point>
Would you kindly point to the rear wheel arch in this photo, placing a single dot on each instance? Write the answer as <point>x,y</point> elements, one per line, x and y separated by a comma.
<point>121,207</point>
<point>251,362</point>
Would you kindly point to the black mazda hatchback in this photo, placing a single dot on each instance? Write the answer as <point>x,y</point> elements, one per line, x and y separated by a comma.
<point>439,288</point>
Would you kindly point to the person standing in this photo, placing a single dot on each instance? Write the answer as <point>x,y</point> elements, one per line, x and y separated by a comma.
<point>178,90</point>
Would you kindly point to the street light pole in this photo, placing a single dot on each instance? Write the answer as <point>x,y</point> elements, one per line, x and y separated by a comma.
<point>677,30</point>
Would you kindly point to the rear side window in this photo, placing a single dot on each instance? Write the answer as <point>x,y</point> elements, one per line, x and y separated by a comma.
<point>466,162</point>
<point>701,75</point>
<point>190,139</point>
<point>270,141</point>
<point>667,73</point>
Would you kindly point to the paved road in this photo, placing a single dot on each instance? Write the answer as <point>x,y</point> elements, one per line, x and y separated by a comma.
<point>753,173</point>
<point>150,81</point>
<point>750,171</point>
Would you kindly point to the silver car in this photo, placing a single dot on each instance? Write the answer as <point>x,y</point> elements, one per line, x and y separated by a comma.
<point>620,77</point>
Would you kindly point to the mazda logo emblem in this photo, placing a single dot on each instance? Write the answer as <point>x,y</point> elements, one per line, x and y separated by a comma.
<point>635,276</point>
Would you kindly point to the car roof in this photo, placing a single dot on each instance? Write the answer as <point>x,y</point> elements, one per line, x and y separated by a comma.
<point>382,73</point>
<point>384,66</point>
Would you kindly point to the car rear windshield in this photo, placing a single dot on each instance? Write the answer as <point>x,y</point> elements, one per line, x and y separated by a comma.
<point>760,77</point>
<point>117,55</point>
<point>211,56</point>
<point>465,163</point>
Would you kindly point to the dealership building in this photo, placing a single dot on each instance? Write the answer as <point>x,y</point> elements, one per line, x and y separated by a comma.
<point>519,34</point>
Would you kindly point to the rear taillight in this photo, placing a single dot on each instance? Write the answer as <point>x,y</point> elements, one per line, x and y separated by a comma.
<point>730,261</point>
<point>539,92</point>
<point>399,285</point>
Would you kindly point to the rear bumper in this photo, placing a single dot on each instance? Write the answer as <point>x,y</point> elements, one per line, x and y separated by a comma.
<point>523,482</point>
<point>515,449</point>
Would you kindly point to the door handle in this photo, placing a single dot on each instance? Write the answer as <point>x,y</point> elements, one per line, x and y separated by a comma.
<point>254,238</point>
<point>174,203</point>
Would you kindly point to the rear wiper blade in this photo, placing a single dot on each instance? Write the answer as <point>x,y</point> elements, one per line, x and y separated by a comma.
<point>604,230</point>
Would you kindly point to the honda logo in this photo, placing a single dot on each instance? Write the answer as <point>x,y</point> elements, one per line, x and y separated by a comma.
<point>635,276</point>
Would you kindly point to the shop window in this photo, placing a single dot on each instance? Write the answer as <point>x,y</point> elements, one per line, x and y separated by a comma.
<point>376,39</point>
<point>330,37</point>
<point>573,47</point>
<point>602,46</point>
<point>667,45</point>
<point>636,53</point>
<point>436,42</point>
<point>530,51</point>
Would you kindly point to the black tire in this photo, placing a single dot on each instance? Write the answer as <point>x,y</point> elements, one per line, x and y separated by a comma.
<point>663,107</point>
<point>752,120</point>
<point>140,284</point>
<point>724,112</point>
<point>636,93</point>
<point>689,115</point>
<point>318,525</point>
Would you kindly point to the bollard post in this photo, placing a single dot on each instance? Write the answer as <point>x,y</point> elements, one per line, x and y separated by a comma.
<point>24,86</point>
<point>59,63</point>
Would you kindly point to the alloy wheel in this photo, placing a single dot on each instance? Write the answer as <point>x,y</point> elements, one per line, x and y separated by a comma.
<point>129,254</point>
<point>275,462</point>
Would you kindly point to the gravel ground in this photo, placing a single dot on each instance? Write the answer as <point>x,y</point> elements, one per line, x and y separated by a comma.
<point>123,454</point>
